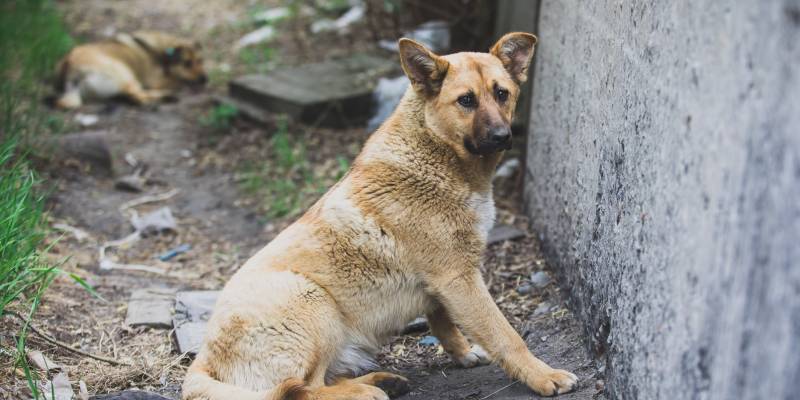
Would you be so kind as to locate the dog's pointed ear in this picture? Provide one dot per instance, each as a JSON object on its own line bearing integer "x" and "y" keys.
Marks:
{"x": 425, "y": 70}
{"x": 515, "y": 51}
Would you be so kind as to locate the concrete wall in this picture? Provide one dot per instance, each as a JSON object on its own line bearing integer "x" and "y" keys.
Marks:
{"x": 663, "y": 175}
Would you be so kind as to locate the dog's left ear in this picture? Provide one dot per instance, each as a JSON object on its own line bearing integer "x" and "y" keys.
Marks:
{"x": 515, "y": 51}
{"x": 425, "y": 70}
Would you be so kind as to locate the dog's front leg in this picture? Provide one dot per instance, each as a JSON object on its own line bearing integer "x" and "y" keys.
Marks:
{"x": 469, "y": 304}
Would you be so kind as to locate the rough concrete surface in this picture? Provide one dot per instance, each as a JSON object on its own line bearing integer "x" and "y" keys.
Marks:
{"x": 664, "y": 178}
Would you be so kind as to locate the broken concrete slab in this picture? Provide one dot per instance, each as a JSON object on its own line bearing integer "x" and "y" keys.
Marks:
{"x": 331, "y": 93}
{"x": 192, "y": 310}
{"x": 501, "y": 233}
{"x": 151, "y": 307}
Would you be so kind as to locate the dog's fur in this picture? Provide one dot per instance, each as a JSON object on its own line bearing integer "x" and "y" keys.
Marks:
{"x": 143, "y": 67}
{"x": 400, "y": 235}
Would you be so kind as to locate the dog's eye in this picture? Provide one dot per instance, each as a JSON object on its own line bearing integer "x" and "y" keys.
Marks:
{"x": 502, "y": 94}
{"x": 468, "y": 101}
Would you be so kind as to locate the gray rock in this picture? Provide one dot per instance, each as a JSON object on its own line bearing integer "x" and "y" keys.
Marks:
{"x": 543, "y": 308}
{"x": 151, "y": 307}
{"x": 524, "y": 289}
{"x": 501, "y": 233}
{"x": 332, "y": 93}
{"x": 192, "y": 310}
{"x": 89, "y": 148}
{"x": 540, "y": 279}
{"x": 663, "y": 172}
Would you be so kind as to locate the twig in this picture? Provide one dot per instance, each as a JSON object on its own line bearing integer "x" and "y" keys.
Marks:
{"x": 148, "y": 199}
{"x": 499, "y": 390}
{"x": 63, "y": 345}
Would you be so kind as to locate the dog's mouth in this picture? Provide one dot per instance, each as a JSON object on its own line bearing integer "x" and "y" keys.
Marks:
{"x": 486, "y": 147}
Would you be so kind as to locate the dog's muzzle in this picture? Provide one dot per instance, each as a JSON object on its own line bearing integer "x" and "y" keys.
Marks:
{"x": 497, "y": 139}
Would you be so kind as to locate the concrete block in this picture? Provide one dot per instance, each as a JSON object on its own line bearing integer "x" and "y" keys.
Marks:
{"x": 331, "y": 93}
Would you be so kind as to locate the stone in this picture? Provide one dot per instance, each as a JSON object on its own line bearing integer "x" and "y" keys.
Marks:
{"x": 89, "y": 148}
{"x": 501, "y": 233}
{"x": 524, "y": 289}
{"x": 192, "y": 310}
{"x": 663, "y": 174}
{"x": 331, "y": 93}
{"x": 130, "y": 395}
{"x": 151, "y": 307}
{"x": 540, "y": 279}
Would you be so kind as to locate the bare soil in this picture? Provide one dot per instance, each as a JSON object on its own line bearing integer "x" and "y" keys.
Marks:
{"x": 224, "y": 225}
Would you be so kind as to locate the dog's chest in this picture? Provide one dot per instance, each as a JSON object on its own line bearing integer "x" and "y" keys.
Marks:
{"x": 482, "y": 205}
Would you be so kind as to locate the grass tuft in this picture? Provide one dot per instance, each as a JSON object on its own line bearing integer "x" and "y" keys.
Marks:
{"x": 285, "y": 181}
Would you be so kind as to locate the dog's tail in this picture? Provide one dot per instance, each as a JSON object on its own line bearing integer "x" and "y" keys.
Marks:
{"x": 199, "y": 384}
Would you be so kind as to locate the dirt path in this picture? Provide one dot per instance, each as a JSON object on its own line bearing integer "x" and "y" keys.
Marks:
{"x": 224, "y": 229}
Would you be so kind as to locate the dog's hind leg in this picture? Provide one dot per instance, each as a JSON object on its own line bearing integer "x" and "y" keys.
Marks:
{"x": 373, "y": 386}
{"x": 69, "y": 100}
{"x": 453, "y": 340}
{"x": 134, "y": 91}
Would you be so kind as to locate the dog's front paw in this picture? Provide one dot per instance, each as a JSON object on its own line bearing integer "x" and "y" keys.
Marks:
{"x": 555, "y": 382}
{"x": 475, "y": 357}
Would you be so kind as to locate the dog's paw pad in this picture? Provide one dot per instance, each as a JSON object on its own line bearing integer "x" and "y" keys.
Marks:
{"x": 476, "y": 356}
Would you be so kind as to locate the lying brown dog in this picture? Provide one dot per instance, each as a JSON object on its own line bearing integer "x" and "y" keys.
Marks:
{"x": 144, "y": 67}
{"x": 400, "y": 235}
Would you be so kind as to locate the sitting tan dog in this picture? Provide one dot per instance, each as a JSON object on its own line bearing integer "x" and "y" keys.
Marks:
{"x": 144, "y": 67}
{"x": 400, "y": 235}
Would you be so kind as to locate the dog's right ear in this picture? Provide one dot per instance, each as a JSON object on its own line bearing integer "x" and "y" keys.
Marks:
{"x": 425, "y": 69}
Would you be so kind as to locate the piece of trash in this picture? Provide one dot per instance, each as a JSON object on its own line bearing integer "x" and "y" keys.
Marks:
{"x": 131, "y": 183}
{"x": 429, "y": 341}
{"x": 501, "y": 233}
{"x": 41, "y": 361}
{"x": 86, "y": 120}
{"x": 507, "y": 169}
{"x": 540, "y": 279}
{"x": 259, "y": 35}
{"x": 58, "y": 388}
{"x": 131, "y": 160}
{"x": 435, "y": 35}
{"x": 79, "y": 234}
{"x": 192, "y": 310}
{"x": 156, "y": 221}
{"x": 174, "y": 252}
{"x": 387, "y": 96}
{"x": 353, "y": 15}
{"x": 160, "y": 220}
{"x": 83, "y": 391}
{"x": 272, "y": 15}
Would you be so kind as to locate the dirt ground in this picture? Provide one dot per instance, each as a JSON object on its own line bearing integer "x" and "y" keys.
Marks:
{"x": 224, "y": 225}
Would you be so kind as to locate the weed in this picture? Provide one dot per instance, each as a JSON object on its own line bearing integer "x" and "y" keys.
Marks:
{"x": 285, "y": 180}
{"x": 220, "y": 118}
{"x": 32, "y": 39}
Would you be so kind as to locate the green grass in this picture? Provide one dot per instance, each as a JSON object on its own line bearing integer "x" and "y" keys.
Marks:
{"x": 32, "y": 39}
{"x": 220, "y": 117}
{"x": 285, "y": 181}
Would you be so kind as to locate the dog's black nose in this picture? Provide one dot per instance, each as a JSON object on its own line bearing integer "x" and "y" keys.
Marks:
{"x": 500, "y": 134}
{"x": 202, "y": 80}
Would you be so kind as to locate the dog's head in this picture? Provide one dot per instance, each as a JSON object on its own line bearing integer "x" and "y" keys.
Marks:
{"x": 470, "y": 97}
{"x": 181, "y": 59}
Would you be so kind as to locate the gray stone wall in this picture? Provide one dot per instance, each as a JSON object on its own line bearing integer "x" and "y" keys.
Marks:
{"x": 663, "y": 175}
